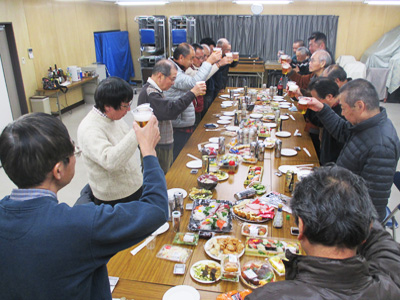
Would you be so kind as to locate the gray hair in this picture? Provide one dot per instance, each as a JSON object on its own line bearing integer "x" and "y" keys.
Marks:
{"x": 182, "y": 49}
{"x": 324, "y": 56}
{"x": 164, "y": 67}
{"x": 360, "y": 89}
{"x": 335, "y": 72}
{"x": 221, "y": 42}
{"x": 206, "y": 46}
{"x": 303, "y": 51}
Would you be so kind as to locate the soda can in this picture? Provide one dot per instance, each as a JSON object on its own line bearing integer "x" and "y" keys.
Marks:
{"x": 289, "y": 179}
{"x": 260, "y": 151}
{"x": 253, "y": 149}
{"x": 245, "y": 136}
{"x": 247, "y": 193}
{"x": 204, "y": 160}
{"x": 221, "y": 145}
{"x": 240, "y": 136}
{"x": 244, "y": 107}
{"x": 252, "y": 134}
{"x": 278, "y": 148}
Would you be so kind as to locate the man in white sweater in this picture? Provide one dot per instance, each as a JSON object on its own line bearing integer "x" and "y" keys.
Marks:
{"x": 109, "y": 147}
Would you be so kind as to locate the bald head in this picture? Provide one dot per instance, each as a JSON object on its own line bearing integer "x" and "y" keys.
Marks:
{"x": 224, "y": 45}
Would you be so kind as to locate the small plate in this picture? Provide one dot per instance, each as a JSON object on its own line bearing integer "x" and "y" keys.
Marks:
{"x": 213, "y": 140}
{"x": 256, "y": 116}
{"x": 284, "y": 106}
{"x": 227, "y": 102}
{"x": 225, "y": 118}
{"x": 224, "y": 96}
{"x": 229, "y": 113}
{"x": 211, "y": 145}
{"x": 285, "y": 168}
{"x": 270, "y": 125}
{"x": 174, "y": 190}
{"x": 162, "y": 229}
{"x": 192, "y": 274}
{"x": 226, "y": 105}
{"x": 182, "y": 292}
{"x": 303, "y": 173}
{"x": 210, "y": 126}
{"x": 224, "y": 122}
{"x": 284, "y": 117}
{"x": 288, "y": 152}
{"x": 194, "y": 164}
{"x": 283, "y": 134}
{"x": 277, "y": 99}
{"x": 232, "y": 128}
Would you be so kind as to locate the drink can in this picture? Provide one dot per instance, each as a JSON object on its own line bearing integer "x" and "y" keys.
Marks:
{"x": 260, "y": 151}
{"x": 252, "y": 134}
{"x": 204, "y": 160}
{"x": 289, "y": 179}
{"x": 221, "y": 145}
{"x": 245, "y": 136}
{"x": 244, "y": 107}
{"x": 240, "y": 136}
{"x": 253, "y": 149}
{"x": 247, "y": 193}
{"x": 278, "y": 148}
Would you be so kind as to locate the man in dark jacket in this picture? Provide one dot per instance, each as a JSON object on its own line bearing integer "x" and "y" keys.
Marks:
{"x": 349, "y": 254}
{"x": 372, "y": 146}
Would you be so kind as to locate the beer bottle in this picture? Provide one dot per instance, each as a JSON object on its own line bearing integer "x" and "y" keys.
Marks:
{"x": 280, "y": 87}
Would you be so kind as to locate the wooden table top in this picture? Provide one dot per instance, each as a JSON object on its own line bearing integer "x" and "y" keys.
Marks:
{"x": 248, "y": 68}
{"x": 72, "y": 85}
{"x": 146, "y": 268}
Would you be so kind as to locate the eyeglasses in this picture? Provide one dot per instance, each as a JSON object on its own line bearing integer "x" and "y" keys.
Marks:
{"x": 200, "y": 58}
{"x": 127, "y": 106}
{"x": 77, "y": 151}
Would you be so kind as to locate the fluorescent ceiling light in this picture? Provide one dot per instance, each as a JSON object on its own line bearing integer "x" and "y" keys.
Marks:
{"x": 384, "y": 2}
{"x": 141, "y": 2}
{"x": 250, "y": 2}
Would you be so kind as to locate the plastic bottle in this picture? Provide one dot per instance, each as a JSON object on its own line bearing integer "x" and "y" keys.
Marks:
{"x": 278, "y": 219}
{"x": 280, "y": 87}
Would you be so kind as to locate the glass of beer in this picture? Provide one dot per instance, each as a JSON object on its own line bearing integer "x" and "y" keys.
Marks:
{"x": 235, "y": 56}
{"x": 292, "y": 90}
{"x": 285, "y": 68}
{"x": 201, "y": 82}
{"x": 216, "y": 50}
{"x": 285, "y": 58}
{"x": 302, "y": 104}
{"x": 142, "y": 114}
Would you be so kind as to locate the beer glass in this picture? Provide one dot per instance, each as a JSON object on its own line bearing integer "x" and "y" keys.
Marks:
{"x": 285, "y": 58}
{"x": 142, "y": 114}
{"x": 285, "y": 68}
{"x": 217, "y": 50}
{"x": 235, "y": 56}
{"x": 302, "y": 104}
{"x": 201, "y": 82}
{"x": 292, "y": 90}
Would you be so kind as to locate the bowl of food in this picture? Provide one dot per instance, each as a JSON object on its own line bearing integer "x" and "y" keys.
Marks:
{"x": 207, "y": 181}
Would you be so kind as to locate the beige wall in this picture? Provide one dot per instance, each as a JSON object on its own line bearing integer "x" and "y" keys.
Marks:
{"x": 360, "y": 25}
{"x": 61, "y": 32}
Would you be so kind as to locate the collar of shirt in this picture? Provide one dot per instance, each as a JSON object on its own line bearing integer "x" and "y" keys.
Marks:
{"x": 154, "y": 84}
{"x": 29, "y": 194}
{"x": 97, "y": 111}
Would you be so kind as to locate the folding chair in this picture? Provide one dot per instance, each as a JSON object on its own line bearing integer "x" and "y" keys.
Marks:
{"x": 390, "y": 220}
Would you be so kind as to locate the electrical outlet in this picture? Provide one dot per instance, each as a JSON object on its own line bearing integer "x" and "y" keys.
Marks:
{"x": 23, "y": 60}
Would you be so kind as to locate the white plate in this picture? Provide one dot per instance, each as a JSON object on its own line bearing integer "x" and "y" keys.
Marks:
{"x": 182, "y": 292}
{"x": 205, "y": 262}
{"x": 227, "y": 102}
{"x": 283, "y": 133}
{"x": 277, "y": 99}
{"x": 288, "y": 152}
{"x": 284, "y": 117}
{"x": 224, "y": 122}
{"x": 174, "y": 190}
{"x": 256, "y": 116}
{"x": 226, "y": 105}
{"x": 211, "y": 127}
{"x": 194, "y": 164}
{"x": 211, "y": 145}
{"x": 162, "y": 229}
{"x": 224, "y": 96}
{"x": 303, "y": 173}
{"x": 229, "y": 113}
{"x": 225, "y": 118}
{"x": 206, "y": 245}
{"x": 270, "y": 125}
{"x": 284, "y": 106}
{"x": 232, "y": 128}
{"x": 285, "y": 168}
{"x": 213, "y": 140}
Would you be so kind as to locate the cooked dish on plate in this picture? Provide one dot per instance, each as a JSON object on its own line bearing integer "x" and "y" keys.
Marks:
{"x": 206, "y": 271}
{"x": 253, "y": 210}
{"x": 257, "y": 273}
{"x": 200, "y": 194}
{"x": 219, "y": 245}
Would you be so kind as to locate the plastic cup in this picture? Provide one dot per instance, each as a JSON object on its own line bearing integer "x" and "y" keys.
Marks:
{"x": 142, "y": 115}
{"x": 303, "y": 104}
{"x": 292, "y": 90}
{"x": 152, "y": 244}
{"x": 235, "y": 56}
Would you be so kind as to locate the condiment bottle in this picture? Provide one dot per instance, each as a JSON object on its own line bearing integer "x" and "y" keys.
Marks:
{"x": 232, "y": 167}
{"x": 176, "y": 220}
{"x": 278, "y": 219}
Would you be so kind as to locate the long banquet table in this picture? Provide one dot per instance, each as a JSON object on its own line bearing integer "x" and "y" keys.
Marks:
{"x": 144, "y": 276}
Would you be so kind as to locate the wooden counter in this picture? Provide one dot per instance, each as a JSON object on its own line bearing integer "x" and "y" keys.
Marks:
{"x": 145, "y": 268}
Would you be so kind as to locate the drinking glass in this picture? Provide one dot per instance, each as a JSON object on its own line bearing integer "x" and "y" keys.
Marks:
{"x": 303, "y": 104}
{"x": 235, "y": 56}
{"x": 142, "y": 114}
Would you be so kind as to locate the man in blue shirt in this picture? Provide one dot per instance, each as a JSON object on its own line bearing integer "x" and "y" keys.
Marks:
{"x": 48, "y": 249}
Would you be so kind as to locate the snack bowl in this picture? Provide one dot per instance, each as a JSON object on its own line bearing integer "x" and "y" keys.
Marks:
{"x": 207, "y": 181}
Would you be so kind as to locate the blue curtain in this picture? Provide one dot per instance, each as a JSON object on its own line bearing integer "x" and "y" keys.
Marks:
{"x": 113, "y": 50}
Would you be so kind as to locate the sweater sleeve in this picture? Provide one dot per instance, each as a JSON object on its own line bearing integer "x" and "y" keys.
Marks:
{"x": 115, "y": 229}
{"x": 301, "y": 80}
{"x": 186, "y": 82}
{"x": 338, "y": 127}
{"x": 382, "y": 253}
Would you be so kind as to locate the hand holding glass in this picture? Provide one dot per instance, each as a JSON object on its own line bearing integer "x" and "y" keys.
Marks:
{"x": 202, "y": 87}
{"x": 302, "y": 105}
{"x": 142, "y": 115}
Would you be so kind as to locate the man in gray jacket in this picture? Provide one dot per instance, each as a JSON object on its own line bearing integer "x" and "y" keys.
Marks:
{"x": 371, "y": 145}
{"x": 183, "y": 59}
{"x": 349, "y": 254}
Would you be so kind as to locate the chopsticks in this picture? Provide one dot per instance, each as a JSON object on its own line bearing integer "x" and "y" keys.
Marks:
{"x": 306, "y": 151}
{"x": 192, "y": 156}
{"x": 305, "y": 165}
{"x": 292, "y": 117}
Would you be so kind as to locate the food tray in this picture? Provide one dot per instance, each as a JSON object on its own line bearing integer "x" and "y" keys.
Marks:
{"x": 268, "y": 247}
{"x": 174, "y": 253}
{"x": 257, "y": 273}
{"x": 205, "y": 218}
{"x": 277, "y": 263}
{"x": 226, "y": 158}
{"x": 186, "y": 238}
{"x": 255, "y": 230}
{"x": 254, "y": 174}
{"x": 230, "y": 267}
{"x": 265, "y": 212}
